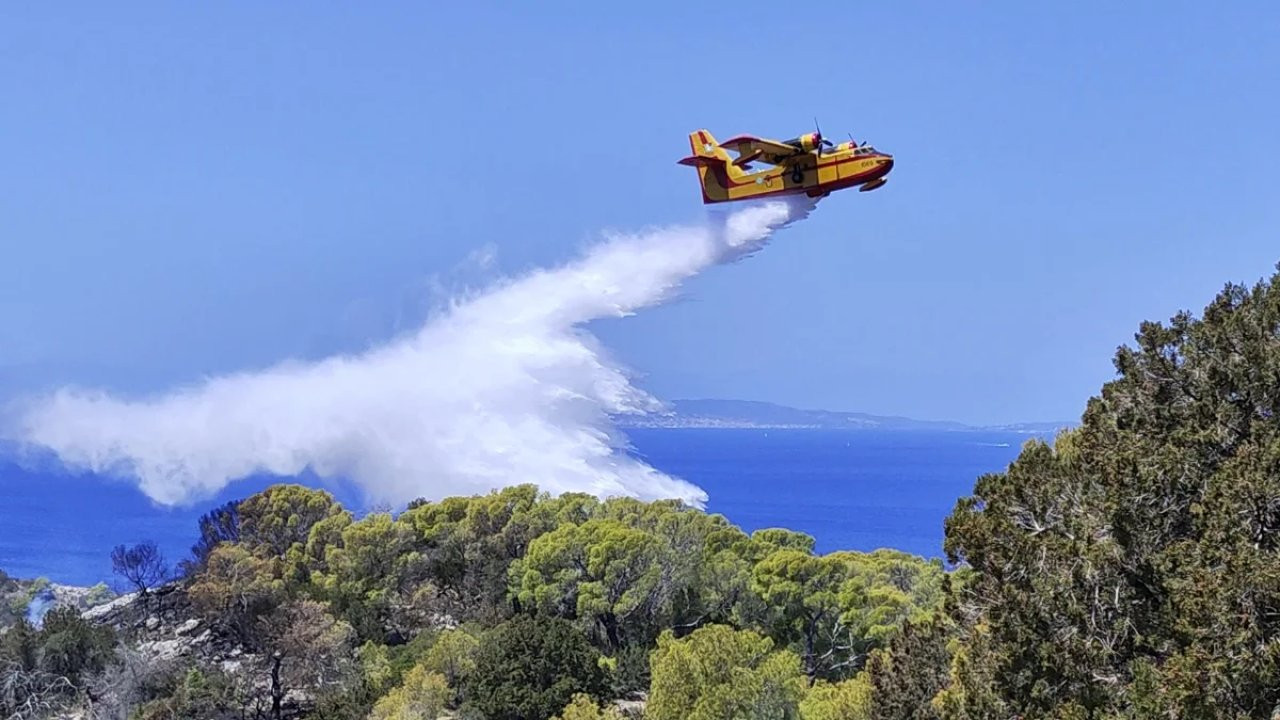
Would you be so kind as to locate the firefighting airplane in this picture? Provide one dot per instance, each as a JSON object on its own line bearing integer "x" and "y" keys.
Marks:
{"x": 808, "y": 164}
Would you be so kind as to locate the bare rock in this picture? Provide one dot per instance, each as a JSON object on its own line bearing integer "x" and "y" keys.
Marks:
{"x": 106, "y": 610}
{"x": 165, "y": 649}
{"x": 633, "y": 707}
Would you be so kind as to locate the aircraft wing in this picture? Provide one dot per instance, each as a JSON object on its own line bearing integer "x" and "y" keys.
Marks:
{"x": 763, "y": 149}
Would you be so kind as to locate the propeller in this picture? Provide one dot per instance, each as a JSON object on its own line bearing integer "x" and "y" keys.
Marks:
{"x": 821, "y": 140}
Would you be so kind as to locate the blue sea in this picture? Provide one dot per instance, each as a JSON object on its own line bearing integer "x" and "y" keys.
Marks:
{"x": 856, "y": 490}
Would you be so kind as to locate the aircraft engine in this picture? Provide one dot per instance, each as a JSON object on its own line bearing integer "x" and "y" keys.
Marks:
{"x": 806, "y": 143}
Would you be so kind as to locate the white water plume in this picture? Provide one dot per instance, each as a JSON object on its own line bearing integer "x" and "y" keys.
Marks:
{"x": 504, "y": 387}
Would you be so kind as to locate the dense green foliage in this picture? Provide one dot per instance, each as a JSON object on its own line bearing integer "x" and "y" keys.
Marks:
{"x": 548, "y": 598}
{"x": 422, "y": 694}
{"x": 1132, "y": 568}
{"x": 718, "y": 672}
{"x": 529, "y": 668}
{"x": 908, "y": 675}
{"x": 845, "y": 700}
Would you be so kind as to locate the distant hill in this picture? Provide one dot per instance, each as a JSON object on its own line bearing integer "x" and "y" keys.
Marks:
{"x": 755, "y": 414}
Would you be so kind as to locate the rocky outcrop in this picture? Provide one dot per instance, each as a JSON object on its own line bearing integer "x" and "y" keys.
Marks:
{"x": 632, "y": 708}
{"x": 163, "y": 624}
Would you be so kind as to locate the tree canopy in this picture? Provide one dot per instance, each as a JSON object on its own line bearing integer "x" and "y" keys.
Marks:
{"x": 1131, "y": 567}
{"x": 530, "y": 668}
{"x": 718, "y": 672}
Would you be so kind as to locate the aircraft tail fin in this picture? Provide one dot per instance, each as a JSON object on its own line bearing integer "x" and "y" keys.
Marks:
{"x": 714, "y": 165}
{"x": 706, "y": 151}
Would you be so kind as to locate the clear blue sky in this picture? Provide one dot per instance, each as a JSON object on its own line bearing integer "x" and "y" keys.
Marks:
{"x": 199, "y": 188}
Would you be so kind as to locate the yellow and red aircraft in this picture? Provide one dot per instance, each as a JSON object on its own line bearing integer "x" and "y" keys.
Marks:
{"x": 808, "y": 164}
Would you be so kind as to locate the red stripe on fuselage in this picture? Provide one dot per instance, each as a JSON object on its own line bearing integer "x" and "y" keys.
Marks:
{"x": 835, "y": 165}
{"x": 841, "y": 184}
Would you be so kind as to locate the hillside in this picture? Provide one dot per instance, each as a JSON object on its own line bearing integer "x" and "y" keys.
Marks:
{"x": 706, "y": 413}
{"x": 1128, "y": 568}
{"x": 516, "y": 604}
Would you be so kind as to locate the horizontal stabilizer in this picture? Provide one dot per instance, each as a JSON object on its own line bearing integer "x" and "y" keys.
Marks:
{"x": 699, "y": 161}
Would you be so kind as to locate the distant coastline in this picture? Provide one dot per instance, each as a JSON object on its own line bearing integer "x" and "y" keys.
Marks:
{"x": 751, "y": 414}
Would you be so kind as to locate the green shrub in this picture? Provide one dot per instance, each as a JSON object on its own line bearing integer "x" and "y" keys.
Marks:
{"x": 71, "y": 646}
{"x": 530, "y": 668}
{"x": 99, "y": 594}
{"x": 198, "y": 694}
